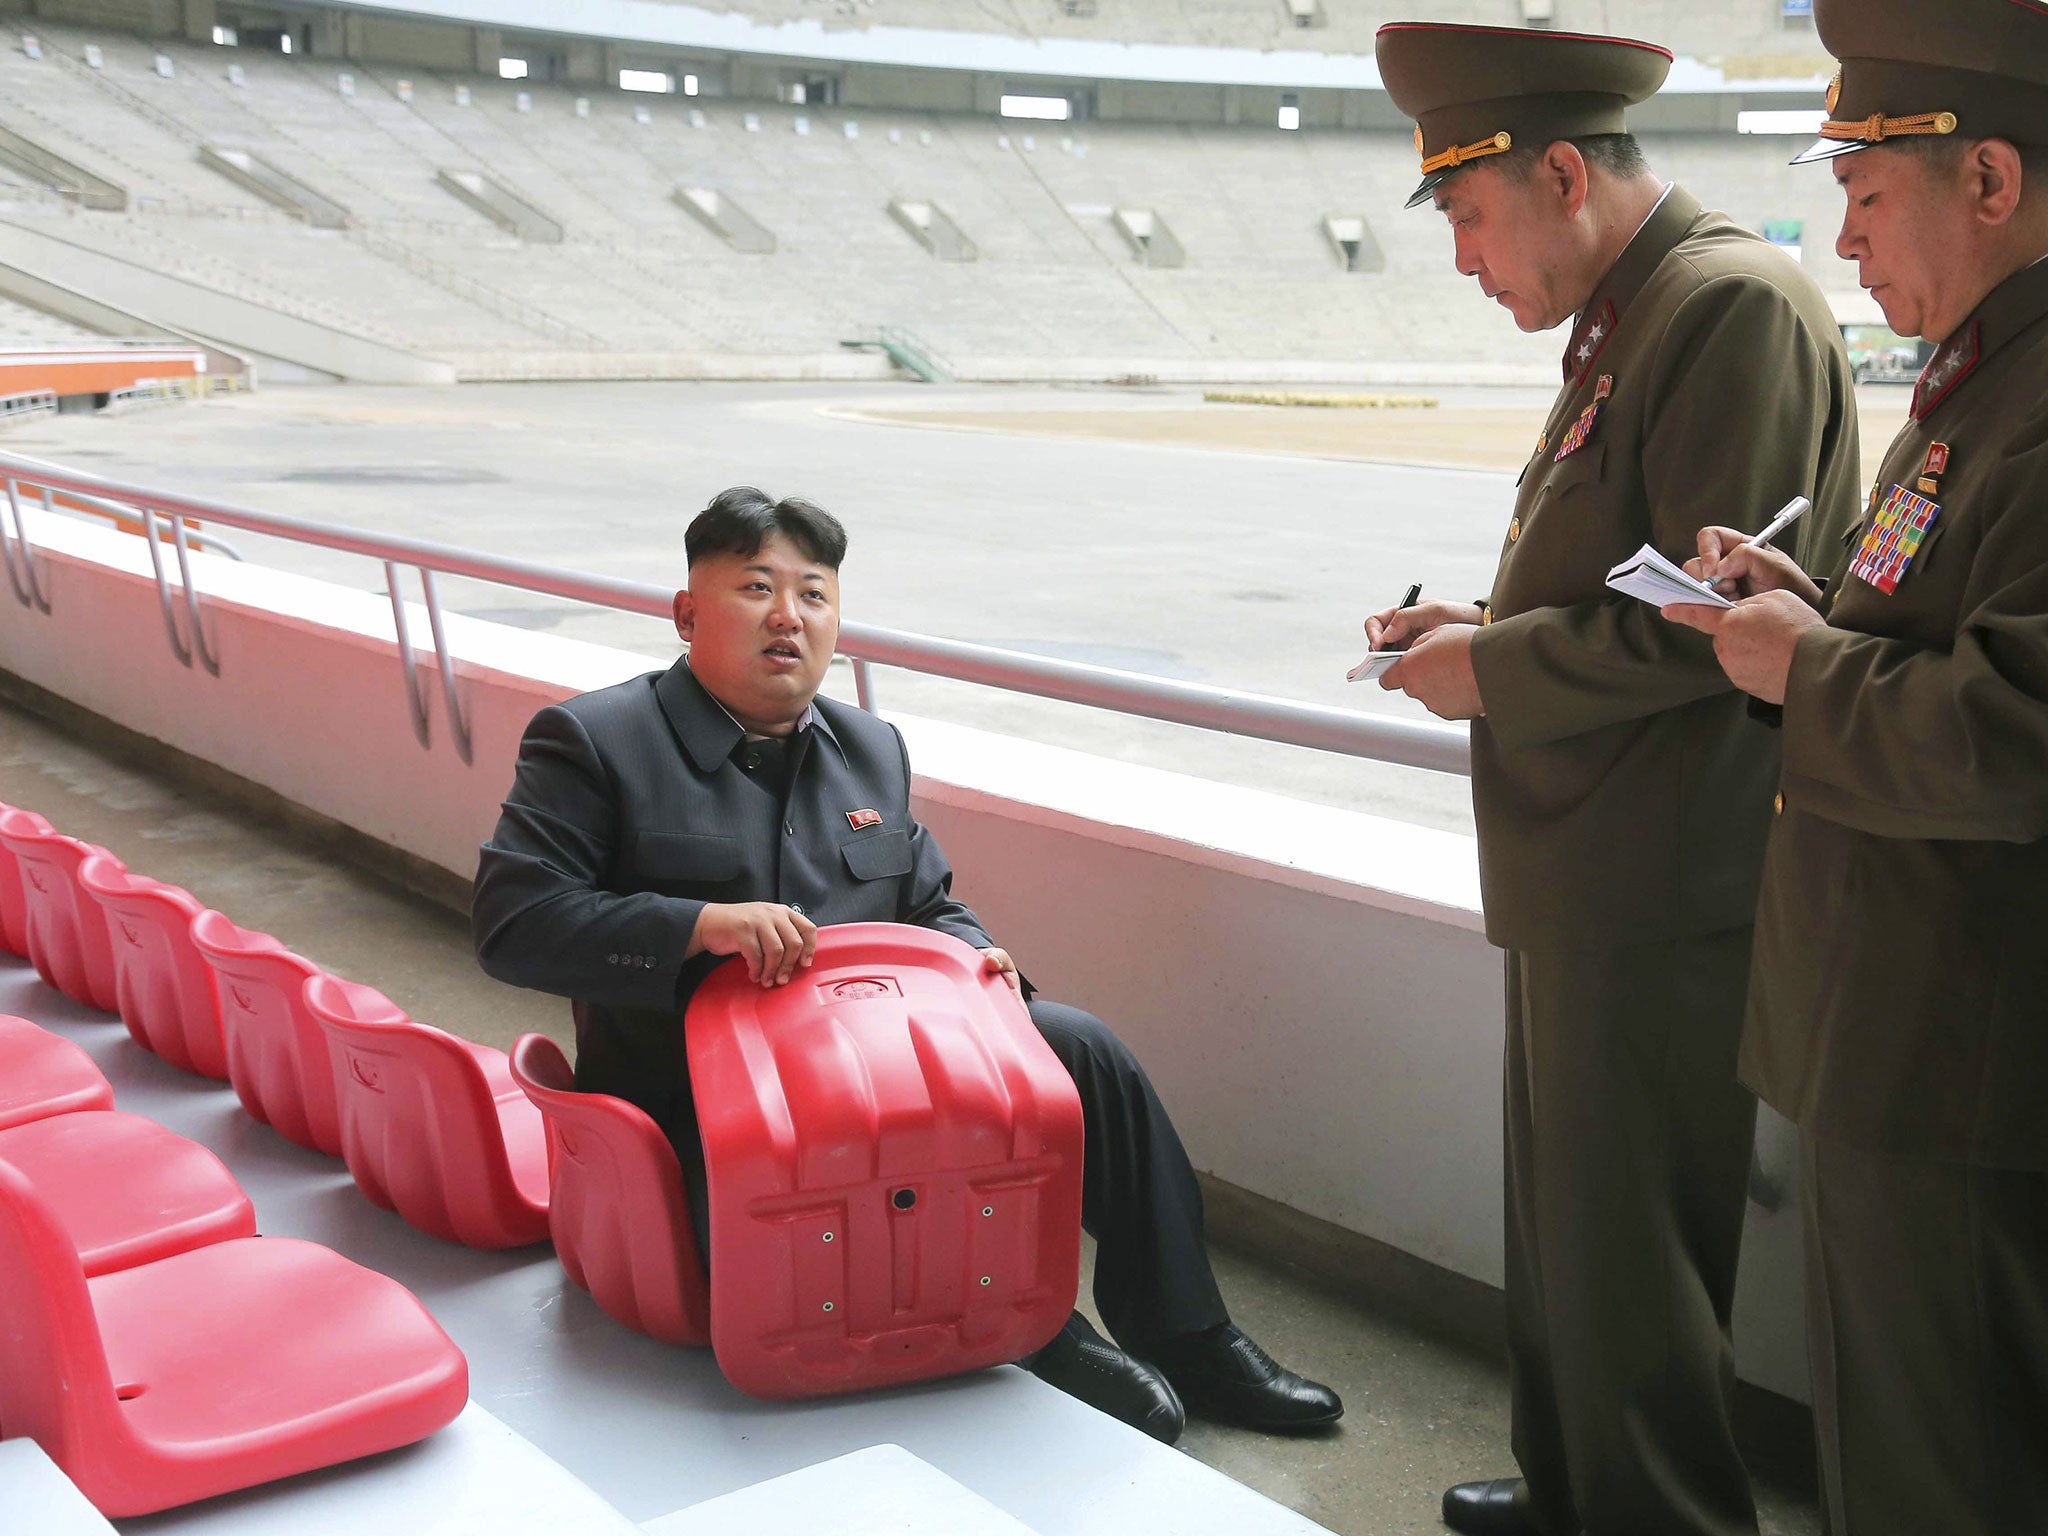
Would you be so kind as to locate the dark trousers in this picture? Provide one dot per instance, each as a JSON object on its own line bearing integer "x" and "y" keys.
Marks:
{"x": 1927, "y": 1329}
{"x": 1628, "y": 1149}
{"x": 1139, "y": 1198}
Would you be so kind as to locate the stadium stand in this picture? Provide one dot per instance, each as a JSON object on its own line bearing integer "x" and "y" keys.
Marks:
{"x": 639, "y": 287}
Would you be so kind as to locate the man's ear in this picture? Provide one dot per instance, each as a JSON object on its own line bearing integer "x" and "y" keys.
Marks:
{"x": 1564, "y": 168}
{"x": 1993, "y": 168}
{"x": 686, "y": 614}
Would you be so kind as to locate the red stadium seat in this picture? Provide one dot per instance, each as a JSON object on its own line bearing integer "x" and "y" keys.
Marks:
{"x": 163, "y": 985}
{"x": 13, "y": 909}
{"x": 277, "y": 1051}
{"x": 616, "y": 1206}
{"x": 126, "y": 1190}
{"x": 894, "y": 1165}
{"x": 66, "y": 935}
{"x": 433, "y": 1127}
{"x": 212, "y": 1370}
{"x": 42, "y": 1074}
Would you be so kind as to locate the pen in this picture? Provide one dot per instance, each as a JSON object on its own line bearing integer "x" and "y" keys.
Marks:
{"x": 1788, "y": 514}
{"x": 1414, "y": 592}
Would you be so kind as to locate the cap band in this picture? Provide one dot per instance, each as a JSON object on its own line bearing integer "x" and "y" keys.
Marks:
{"x": 1458, "y": 154}
{"x": 1876, "y": 128}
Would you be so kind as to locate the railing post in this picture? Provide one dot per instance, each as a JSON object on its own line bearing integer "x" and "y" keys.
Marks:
{"x": 406, "y": 661}
{"x": 864, "y": 685}
{"x": 27, "y": 584}
{"x": 163, "y": 590}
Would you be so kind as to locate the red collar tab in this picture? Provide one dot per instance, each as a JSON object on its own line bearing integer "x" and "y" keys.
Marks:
{"x": 1949, "y": 366}
{"x": 1587, "y": 342}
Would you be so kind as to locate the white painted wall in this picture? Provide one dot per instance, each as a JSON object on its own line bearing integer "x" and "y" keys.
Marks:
{"x": 1309, "y": 986}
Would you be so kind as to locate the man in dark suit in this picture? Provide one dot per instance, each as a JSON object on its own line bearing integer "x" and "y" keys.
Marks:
{"x": 722, "y": 808}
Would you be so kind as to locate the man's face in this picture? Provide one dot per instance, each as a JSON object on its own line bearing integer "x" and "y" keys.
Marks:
{"x": 1899, "y": 203}
{"x": 1514, "y": 236}
{"x": 762, "y": 629}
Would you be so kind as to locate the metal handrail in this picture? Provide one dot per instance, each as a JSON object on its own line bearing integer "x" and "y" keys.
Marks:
{"x": 1415, "y": 744}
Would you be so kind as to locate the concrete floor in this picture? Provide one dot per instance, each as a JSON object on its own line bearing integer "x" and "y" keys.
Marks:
{"x": 1421, "y": 1413}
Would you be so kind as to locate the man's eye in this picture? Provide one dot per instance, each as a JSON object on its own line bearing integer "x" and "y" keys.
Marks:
{"x": 816, "y": 597}
{"x": 1866, "y": 201}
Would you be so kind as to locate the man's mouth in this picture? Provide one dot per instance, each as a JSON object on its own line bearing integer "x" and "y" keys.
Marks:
{"x": 782, "y": 651}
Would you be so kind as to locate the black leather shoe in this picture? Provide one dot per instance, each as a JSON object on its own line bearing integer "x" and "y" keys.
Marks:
{"x": 1222, "y": 1375}
{"x": 1499, "y": 1507}
{"x": 1082, "y": 1363}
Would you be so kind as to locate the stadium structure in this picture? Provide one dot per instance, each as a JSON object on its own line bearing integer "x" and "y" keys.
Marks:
{"x": 201, "y": 199}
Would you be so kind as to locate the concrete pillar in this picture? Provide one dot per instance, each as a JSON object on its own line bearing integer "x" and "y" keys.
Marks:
{"x": 198, "y": 18}
{"x": 583, "y": 62}
{"x": 487, "y": 46}
{"x": 327, "y": 36}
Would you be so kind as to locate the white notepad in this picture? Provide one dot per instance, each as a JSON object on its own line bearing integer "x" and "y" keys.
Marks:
{"x": 1649, "y": 576}
{"x": 1373, "y": 666}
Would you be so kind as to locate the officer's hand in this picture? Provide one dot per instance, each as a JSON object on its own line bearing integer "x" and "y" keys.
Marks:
{"x": 999, "y": 961}
{"x": 1437, "y": 673}
{"x": 1754, "y": 640}
{"x": 1394, "y": 629}
{"x": 1735, "y": 569}
{"x": 775, "y": 940}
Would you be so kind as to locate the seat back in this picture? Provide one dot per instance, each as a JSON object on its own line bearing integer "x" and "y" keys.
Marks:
{"x": 43, "y": 1074}
{"x": 894, "y": 1165}
{"x": 13, "y": 911}
{"x": 64, "y": 934}
{"x": 54, "y": 1384}
{"x": 616, "y": 1206}
{"x": 420, "y": 1125}
{"x": 162, "y": 984}
{"x": 276, "y": 1050}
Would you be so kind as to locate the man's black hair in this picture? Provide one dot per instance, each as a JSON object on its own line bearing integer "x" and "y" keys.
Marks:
{"x": 1618, "y": 154}
{"x": 739, "y": 519}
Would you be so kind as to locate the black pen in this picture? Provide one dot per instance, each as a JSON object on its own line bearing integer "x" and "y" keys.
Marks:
{"x": 1414, "y": 592}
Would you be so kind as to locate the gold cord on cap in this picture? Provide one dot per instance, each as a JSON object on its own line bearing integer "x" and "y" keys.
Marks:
{"x": 1458, "y": 154}
{"x": 1876, "y": 128}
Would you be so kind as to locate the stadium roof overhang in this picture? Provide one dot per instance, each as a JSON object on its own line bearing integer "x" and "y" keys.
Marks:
{"x": 657, "y": 24}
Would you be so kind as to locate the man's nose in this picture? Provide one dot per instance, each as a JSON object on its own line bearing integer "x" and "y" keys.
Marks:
{"x": 1469, "y": 264}
{"x": 784, "y": 614}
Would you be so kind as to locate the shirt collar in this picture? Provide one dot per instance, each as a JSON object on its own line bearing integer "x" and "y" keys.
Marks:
{"x": 1669, "y": 218}
{"x": 705, "y": 727}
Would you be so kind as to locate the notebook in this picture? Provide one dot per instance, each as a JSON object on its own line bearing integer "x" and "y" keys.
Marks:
{"x": 1649, "y": 576}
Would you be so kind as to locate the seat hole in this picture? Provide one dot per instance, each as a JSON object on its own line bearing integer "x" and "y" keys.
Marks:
{"x": 904, "y": 1199}
{"x": 130, "y": 1392}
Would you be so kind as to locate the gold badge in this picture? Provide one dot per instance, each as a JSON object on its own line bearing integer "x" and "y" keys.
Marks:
{"x": 1503, "y": 141}
{"x": 1834, "y": 92}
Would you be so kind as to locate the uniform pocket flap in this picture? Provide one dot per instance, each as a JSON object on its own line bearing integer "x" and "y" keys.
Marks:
{"x": 878, "y": 857}
{"x": 695, "y": 857}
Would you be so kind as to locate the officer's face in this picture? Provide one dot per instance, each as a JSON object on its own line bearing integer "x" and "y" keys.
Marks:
{"x": 762, "y": 629}
{"x": 1517, "y": 237}
{"x": 1912, "y": 224}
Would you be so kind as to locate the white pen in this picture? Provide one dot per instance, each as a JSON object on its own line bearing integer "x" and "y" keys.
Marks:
{"x": 1788, "y": 514}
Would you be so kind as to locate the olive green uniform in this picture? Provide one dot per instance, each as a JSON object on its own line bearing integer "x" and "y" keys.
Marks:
{"x": 1899, "y": 1004}
{"x": 1623, "y": 796}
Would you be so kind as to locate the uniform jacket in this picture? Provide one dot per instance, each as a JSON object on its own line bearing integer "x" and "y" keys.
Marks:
{"x": 1899, "y": 997}
{"x": 1621, "y": 791}
{"x": 634, "y": 806}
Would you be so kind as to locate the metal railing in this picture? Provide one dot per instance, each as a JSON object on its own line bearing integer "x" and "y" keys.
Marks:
{"x": 1414, "y": 744}
{"x": 30, "y": 402}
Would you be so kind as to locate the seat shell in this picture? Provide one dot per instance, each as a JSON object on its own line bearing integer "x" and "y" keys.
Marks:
{"x": 432, "y": 1126}
{"x": 126, "y": 1190}
{"x": 65, "y": 935}
{"x": 277, "y": 1054}
{"x": 13, "y": 909}
{"x": 893, "y": 1157}
{"x": 212, "y": 1370}
{"x": 42, "y": 1074}
{"x": 163, "y": 987}
{"x": 617, "y": 1210}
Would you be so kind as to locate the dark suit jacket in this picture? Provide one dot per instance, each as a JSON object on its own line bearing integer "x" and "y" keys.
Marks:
{"x": 633, "y": 807}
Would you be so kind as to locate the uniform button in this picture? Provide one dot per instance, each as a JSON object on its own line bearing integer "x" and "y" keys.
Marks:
{"x": 753, "y": 759}
{"x": 1514, "y": 529}
{"x": 797, "y": 907}
{"x": 1778, "y": 806}
{"x": 611, "y": 959}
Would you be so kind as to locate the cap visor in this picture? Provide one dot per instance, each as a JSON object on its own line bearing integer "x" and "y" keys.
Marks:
{"x": 1427, "y": 190}
{"x": 1828, "y": 149}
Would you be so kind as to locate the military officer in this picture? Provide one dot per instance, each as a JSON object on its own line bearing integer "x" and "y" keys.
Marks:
{"x": 1622, "y": 793}
{"x": 1898, "y": 1007}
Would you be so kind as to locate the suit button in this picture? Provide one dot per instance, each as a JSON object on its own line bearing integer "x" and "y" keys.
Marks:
{"x": 611, "y": 959}
{"x": 1778, "y": 806}
{"x": 1514, "y": 528}
{"x": 753, "y": 759}
{"x": 797, "y": 907}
